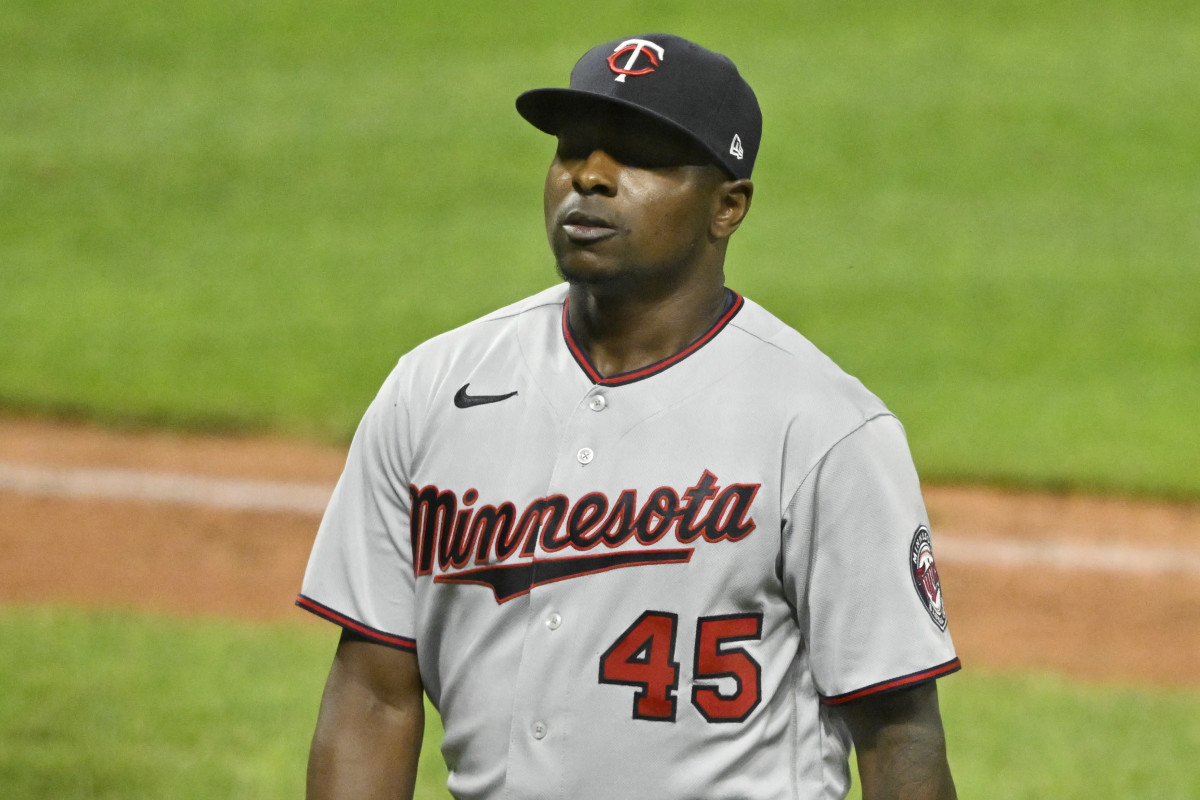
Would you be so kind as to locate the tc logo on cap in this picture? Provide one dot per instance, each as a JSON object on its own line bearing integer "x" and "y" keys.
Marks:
{"x": 635, "y": 48}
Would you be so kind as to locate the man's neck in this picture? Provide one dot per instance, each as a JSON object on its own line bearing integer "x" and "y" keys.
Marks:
{"x": 626, "y": 332}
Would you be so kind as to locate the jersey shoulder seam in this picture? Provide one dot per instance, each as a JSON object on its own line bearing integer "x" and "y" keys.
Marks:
{"x": 500, "y": 316}
{"x": 864, "y": 422}
{"x": 547, "y": 297}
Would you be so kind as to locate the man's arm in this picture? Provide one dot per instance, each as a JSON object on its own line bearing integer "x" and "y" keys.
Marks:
{"x": 370, "y": 725}
{"x": 900, "y": 745}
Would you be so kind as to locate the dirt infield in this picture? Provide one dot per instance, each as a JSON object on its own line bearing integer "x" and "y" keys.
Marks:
{"x": 1095, "y": 588}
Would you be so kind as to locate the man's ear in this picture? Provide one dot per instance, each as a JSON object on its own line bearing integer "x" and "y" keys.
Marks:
{"x": 732, "y": 203}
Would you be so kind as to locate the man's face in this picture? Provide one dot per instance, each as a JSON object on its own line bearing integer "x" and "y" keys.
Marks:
{"x": 627, "y": 200}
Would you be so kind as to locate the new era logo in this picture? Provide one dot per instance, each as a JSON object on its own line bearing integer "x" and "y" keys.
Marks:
{"x": 735, "y": 147}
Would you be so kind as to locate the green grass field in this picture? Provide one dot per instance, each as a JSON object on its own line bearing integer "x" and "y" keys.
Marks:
{"x": 238, "y": 216}
{"x": 220, "y": 215}
{"x": 106, "y": 705}
{"x": 116, "y": 705}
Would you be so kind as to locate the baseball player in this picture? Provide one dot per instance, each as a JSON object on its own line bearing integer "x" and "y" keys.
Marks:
{"x": 634, "y": 536}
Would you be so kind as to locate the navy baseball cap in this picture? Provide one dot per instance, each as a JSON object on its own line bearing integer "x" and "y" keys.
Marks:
{"x": 671, "y": 79}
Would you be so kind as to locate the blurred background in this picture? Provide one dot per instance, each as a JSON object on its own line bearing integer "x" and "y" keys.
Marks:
{"x": 228, "y": 217}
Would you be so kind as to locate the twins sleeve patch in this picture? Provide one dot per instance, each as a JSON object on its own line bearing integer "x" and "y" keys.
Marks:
{"x": 925, "y": 576}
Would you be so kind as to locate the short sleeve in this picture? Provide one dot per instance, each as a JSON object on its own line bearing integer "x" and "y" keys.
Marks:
{"x": 360, "y": 572}
{"x": 866, "y": 586}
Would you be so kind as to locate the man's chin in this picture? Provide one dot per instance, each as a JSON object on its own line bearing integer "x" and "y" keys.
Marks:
{"x": 580, "y": 275}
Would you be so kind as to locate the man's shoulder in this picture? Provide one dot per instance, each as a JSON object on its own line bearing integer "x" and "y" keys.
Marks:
{"x": 798, "y": 368}
{"x": 550, "y": 299}
{"x": 474, "y": 352}
{"x": 485, "y": 330}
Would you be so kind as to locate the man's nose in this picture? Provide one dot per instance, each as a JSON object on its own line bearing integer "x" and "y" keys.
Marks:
{"x": 596, "y": 174}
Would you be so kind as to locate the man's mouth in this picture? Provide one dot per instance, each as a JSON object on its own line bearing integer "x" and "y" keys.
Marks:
{"x": 582, "y": 227}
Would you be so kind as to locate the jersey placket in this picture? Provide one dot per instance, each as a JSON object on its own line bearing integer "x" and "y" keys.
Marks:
{"x": 544, "y": 707}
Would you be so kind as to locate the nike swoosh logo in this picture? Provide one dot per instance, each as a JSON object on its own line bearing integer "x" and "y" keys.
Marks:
{"x": 464, "y": 400}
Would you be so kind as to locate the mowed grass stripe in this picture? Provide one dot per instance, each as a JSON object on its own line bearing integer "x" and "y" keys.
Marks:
{"x": 106, "y": 704}
{"x": 221, "y": 216}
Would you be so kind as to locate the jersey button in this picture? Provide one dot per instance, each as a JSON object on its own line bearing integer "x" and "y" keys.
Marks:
{"x": 585, "y": 455}
{"x": 539, "y": 730}
{"x": 554, "y": 621}
{"x": 598, "y": 403}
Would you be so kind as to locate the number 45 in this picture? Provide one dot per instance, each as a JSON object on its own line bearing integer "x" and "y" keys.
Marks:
{"x": 644, "y": 656}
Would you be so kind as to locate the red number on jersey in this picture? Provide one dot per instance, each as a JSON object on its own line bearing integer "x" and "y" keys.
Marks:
{"x": 713, "y": 662}
{"x": 644, "y": 656}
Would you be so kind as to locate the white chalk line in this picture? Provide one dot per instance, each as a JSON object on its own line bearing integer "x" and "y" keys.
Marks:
{"x": 231, "y": 494}
{"x": 1057, "y": 554}
{"x": 308, "y": 498}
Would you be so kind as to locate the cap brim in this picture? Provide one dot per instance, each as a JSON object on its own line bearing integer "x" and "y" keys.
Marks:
{"x": 548, "y": 109}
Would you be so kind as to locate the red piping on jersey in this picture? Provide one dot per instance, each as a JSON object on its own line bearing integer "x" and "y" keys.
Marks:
{"x": 658, "y": 366}
{"x": 325, "y": 612}
{"x": 953, "y": 665}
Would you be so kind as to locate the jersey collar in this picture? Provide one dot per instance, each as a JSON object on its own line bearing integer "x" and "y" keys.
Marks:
{"x": 732, "y": 308}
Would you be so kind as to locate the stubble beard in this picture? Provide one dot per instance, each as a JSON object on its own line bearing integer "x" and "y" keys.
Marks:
{"x": 606, "y": 279}
{"x": 614, "y": 276}
{"x": 588, "y": 278}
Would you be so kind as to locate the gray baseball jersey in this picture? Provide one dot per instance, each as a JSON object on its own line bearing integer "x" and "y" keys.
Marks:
{"x": 656, "y": 584}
